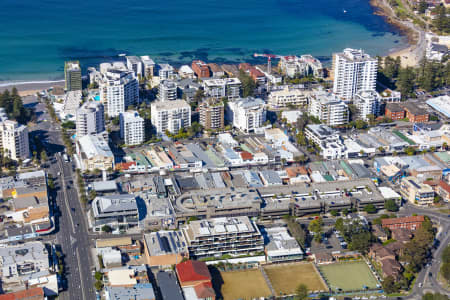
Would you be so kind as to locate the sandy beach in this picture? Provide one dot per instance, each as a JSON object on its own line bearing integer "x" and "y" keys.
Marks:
{"x": 31, "y": 87}
{"x": 408, "y": 59}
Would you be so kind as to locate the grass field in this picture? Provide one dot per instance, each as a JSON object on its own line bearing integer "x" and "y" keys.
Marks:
{"x": 348, "y": 276}
{"x": 285, "y": 278}
{"x": 246, "y": 284}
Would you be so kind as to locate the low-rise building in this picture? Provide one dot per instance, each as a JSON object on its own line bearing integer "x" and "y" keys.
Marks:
{"x": 282, "y": 246}
{"x": 444, "y": 190}
{"x": 415, "y": 113}
{"x": 168, "y": 286}
{"x": 165, "y": 248}
{"x": 416, "y": 192}
{"x": 195, "y": 280}
{"x": 186, "y": 72}
{"x": 167, "y": 90}
{"x": 288, "y": 96}
{"x": 220, "y": 236}
{"x": 201, "y": 69}
{"x": 328, "y": 108}
{"x": 94, "y": 153}
{"x": 328, "y": 139}
{"x": 118, "y": 211}
{"x": 224, "y": 87}
{"x": 411, "y": 223}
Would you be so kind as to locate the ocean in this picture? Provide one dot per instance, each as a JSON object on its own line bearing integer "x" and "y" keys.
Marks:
{"x": 37, "y": 36}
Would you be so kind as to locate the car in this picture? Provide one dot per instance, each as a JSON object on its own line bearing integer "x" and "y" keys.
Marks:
{"x": 420, "y": 284}
{"x": 429, "y": 274}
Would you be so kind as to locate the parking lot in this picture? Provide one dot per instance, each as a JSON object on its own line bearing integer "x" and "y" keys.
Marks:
{"x": 330, "y": 242}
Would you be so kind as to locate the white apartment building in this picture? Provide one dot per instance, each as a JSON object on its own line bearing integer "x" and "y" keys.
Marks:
{"x": 281, "y": 98}
{"x": 14, "y": 140}
{"x": 220, "y": 236}
{"x": 305, "y": 65}
{"x": 225, "y": 87}
{"x": 171, "y": 115}
{"x": 167, "y": 90}
{"x": 354, "y": 71}
{"x": 368, "y": 103}
{"x": 148, "y": 65}
{"x": 134, "y": 63}
{"x": 327, "y": 139}
{"x": 165, "y": 72}
{"x": 132, "y": 128}
{"x": 247, "y": 114}
{"x": 90, "y": 119}
{"x": 328, "y": 108}
{"x": 118, "y": 89}
{"x": 186, "y": 71}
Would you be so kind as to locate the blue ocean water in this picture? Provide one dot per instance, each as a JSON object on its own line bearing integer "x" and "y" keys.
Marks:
{"x": 37, "y": 36}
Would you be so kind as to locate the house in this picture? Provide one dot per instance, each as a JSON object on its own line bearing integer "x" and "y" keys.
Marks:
{"x": 411, "y": 223}
{"x": 379, "y": 253}
{"x": 401, "y": 234}
{"x": 391, "y": 267}
{"x": 379, "y": 233}
{"x": 195, "y": 280}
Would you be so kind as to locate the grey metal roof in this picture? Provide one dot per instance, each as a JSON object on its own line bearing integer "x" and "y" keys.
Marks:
{"x": 168, "y": 285}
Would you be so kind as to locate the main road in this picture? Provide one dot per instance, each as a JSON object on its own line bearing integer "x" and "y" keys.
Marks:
{"x": 72, "y": 230}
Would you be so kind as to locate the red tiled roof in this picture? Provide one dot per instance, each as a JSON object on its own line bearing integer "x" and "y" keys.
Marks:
{"x": 192, "y": 270}
{"x": 246, "y": 155}
{"x": 30, "y": 294}
{"x": 244, "y": 66}
{"x": 256, "y": 73}
{"x": 412, "y": 219}
{"x": 204, "y": 291}
{"x": 444, "y": 185}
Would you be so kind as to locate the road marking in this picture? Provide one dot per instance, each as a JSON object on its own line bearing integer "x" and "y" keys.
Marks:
{"x": 79, "y": 272}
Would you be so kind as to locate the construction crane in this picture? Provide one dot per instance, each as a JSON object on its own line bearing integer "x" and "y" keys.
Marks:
{"x": 269, "y": 60}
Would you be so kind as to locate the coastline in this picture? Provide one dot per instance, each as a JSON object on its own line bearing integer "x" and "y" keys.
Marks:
{"x": 27, "y": 88}
{"x": 408, "y": 59}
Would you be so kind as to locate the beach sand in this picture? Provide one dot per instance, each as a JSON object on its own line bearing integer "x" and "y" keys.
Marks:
{"x": 408, "y": 59}
{"x": 30, "y": 88}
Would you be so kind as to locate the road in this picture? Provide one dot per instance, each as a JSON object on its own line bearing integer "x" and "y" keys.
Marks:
{"x": 72, "y": 230}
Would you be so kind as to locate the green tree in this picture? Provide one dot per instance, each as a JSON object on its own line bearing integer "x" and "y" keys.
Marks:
{"x": 422, "y": 6}
{"x": 44, "y": 156}
{"x": 107, "y": 229}
{"x": 301, "y": 292}
{"x": 405, "y": 83}
{"x": 98, "y": 285}
{"x": 248, "y": 84}
{"x": 389, "y": 285}
{"x": 370, "y": 209}
{"x": 437, "y": 296}
{"x": 390, "y": 205}
{"x": 98, "y": 275}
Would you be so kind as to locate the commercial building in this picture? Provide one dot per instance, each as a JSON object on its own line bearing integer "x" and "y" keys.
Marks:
{"x": 411, "y": 223}
{"x": 201, "y": 69}
{"x": 119, "y": 88}
{"x": 167, "y": 91}
{"x": 367, "y": 103}
{"x": 165, "y": 248}
{"x": 139, "y": 291}
{"x": 247, "y": 114}
{"x": 28, "y": 265}
{"x": 14, "y": 140}
{"x": 282, "y": 247}
{"x": 90, "y": 119}
{"x": 416, "y": 192}
{"x": 354, "y": 71}
{"x": 224, "y": 87}
{"x": 171, "y": 116}
{"x": 328, "y": 108}
{"x": 212, "y": 113}
{"x": 168, "y": 286}
{"x": 72, "y": 76}
{"x": 118, "y": 211}
{"x": 94, "y": 153}
{"x": 288, "y": 96}
{"x": 328, "y": 139}
{"x": 132, "y": 128}
{"x": 220, "y": 236}
{"x": 134, "y": 63}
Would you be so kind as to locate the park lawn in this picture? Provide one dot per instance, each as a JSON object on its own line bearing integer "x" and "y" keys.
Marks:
{"x": 246, "y": 284}
{"x": 348, "y": 276}
{"x": 285, "y": 278}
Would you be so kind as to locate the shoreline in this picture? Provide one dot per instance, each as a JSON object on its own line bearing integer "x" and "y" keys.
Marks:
{"x": 408, "y": 59}
{"x": 27, "y": 88}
